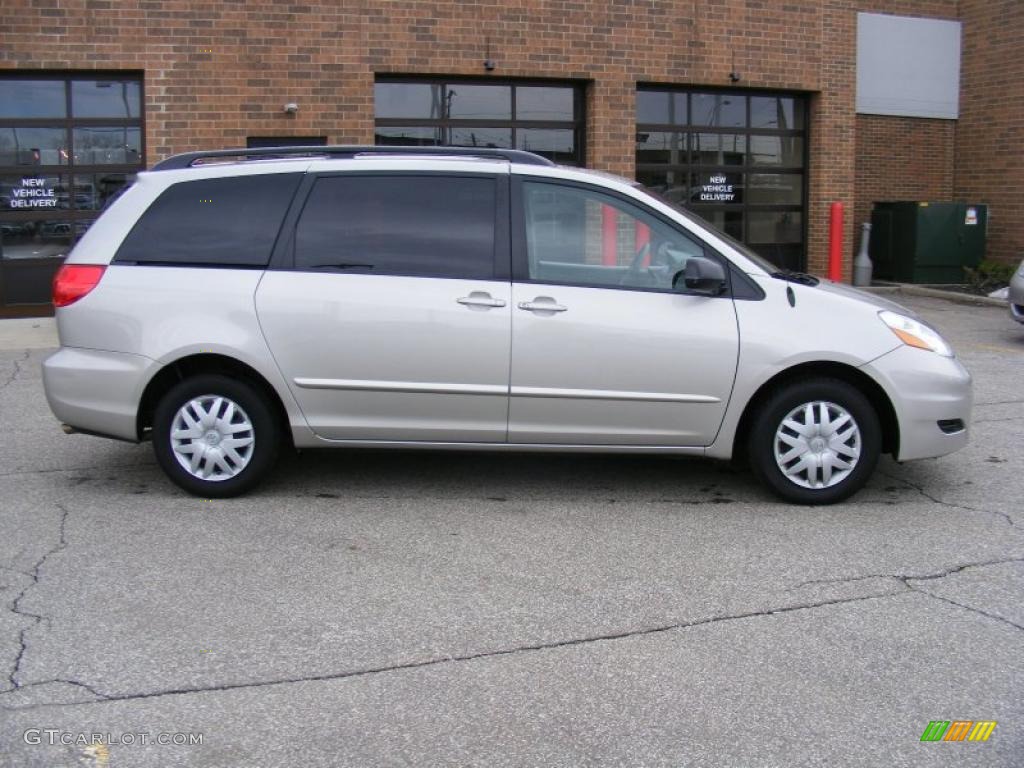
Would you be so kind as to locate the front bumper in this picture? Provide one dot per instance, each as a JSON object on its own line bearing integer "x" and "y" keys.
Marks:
{"x": 925, "y": 389}
{"x": 96, "y": 391}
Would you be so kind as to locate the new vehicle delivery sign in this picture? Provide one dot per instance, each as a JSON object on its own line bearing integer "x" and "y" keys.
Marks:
{"x": 718, "y": 189}
{"x": 33, "y": 193}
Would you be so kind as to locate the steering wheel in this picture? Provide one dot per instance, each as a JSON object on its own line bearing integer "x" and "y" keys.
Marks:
{"x": 663, "y": 256}
{"x": 636, "y": 265}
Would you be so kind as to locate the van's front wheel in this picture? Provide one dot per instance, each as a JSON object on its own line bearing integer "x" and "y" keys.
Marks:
{"x": 215, "y": 437}
{"x": 815, "y": 442}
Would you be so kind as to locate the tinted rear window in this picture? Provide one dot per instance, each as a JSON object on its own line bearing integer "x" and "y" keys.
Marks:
{"x": 212, "y": 222}
{"x": 430, "y": 226}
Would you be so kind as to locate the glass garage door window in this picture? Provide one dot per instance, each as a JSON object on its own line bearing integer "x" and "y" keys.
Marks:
{"x": 736, "y": 158}
{"x": 538, "y": 116}
{"x": 68, "y": 145}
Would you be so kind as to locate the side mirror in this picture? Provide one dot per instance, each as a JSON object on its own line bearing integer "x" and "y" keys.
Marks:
{"x": 700, "y": 277}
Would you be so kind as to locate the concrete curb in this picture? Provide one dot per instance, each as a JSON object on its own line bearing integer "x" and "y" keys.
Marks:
{"x": 935, "y": 293}
{"x": 28, "y": 333}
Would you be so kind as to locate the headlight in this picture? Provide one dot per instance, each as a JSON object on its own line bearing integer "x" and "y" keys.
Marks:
{"x": 914, "y": 333}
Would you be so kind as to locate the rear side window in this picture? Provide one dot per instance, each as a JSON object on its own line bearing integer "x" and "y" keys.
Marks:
{"x": 230, "y": 222}
{"x": 428, "y": 226}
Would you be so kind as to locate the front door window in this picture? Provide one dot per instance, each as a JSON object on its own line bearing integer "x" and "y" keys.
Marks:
{"x": 582, "y": 237}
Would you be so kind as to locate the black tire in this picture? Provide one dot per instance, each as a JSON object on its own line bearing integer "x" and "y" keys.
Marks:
{"x": 779, "y": 405}
{"x": 266, "y": 431}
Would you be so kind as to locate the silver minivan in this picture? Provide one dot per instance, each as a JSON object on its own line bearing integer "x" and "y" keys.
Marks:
{"x": 230, "y": 303}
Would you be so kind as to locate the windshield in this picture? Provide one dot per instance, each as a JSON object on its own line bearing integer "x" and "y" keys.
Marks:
{"x": 762, "y": 262}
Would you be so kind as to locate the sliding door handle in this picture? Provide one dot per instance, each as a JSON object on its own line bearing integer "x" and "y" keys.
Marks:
{"x": 480, "y": 299}
{"x": 542, "y": 304}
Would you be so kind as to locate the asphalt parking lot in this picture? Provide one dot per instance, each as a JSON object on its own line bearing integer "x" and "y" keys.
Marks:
{"x": 405, "y": 608}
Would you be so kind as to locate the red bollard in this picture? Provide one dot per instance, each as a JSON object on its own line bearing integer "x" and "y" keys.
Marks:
{"x": 835, "y": 242}
{"x": 609, "y": 236}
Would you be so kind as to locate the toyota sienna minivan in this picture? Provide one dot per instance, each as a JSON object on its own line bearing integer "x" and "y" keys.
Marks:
{"x": 234, "y": 302}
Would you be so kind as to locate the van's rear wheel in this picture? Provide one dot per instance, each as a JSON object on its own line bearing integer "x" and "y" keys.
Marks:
{"x": 214, "y": 436}
{"x": 815, "y": 442}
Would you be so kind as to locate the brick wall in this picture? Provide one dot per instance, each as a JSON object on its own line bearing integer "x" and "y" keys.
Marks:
{"x": 900, "y": 158}
{"x": 990, "y": 133}
{"x": 832, "y": 132}
{"x": 218, "y": 72}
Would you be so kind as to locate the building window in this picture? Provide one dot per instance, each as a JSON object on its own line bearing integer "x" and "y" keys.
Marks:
{"x": 541, "y": 117}
{"x": 736, "y": 158}
{"x": 68, "y": 145}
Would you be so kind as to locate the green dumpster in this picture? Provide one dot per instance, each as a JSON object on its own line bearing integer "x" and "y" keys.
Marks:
{"x": 916, "y": 242}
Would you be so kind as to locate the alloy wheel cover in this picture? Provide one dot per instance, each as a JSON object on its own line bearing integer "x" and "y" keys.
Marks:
{"x": 817, "y": 445}
{"x": 212, "y": 438}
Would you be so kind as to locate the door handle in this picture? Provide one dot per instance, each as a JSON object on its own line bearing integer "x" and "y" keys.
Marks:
{"x": 480, "y": 299}
{"x": 542, "y": 304}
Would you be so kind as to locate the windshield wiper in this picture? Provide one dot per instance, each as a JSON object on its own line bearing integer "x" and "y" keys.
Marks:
{"x": 796, "y": 277}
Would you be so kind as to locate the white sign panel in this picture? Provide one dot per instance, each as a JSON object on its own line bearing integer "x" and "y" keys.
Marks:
{"x": 908, "y": 66}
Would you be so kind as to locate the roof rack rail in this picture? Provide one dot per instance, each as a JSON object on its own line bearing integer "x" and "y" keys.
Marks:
{"x": 191, "y": 159}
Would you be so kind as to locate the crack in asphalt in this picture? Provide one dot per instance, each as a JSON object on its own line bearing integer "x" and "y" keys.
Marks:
{"x": 17, "y": 370}
{"x": 950, "y": 504}
{"x": 906, "y": 579}
{"x": 59, "y": 680}
{"x": 37, "y": 619}
{"x": 609, "y": 637}
{"x": 970, "y": 608}
{"x": 911, "y": 577}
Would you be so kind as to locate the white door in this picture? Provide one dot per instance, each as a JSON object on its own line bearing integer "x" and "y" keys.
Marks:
{"x": 392, "y": 325}
{"x": 604, "y": 350}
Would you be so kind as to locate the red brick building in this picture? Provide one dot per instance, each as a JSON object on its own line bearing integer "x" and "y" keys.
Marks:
{"x": 745, "y": 110}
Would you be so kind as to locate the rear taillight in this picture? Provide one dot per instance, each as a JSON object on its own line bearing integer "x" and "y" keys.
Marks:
{"x": 73, "y": 281}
